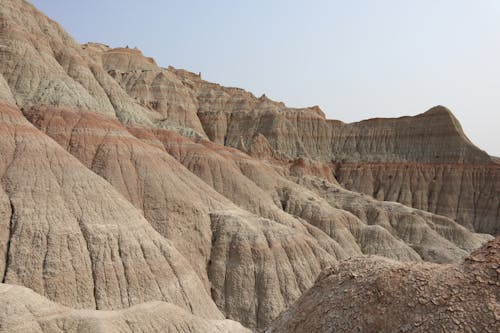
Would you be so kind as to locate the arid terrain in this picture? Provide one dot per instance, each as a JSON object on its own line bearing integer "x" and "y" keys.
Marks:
{"x": 136, "y": 198}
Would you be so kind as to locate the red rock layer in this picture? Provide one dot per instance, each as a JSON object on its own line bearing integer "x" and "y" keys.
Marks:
{"x": 67, "y": 234}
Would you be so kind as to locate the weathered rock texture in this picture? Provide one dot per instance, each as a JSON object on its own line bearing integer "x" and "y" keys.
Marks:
{"x": 435, "y": 161}
{"x": 69, "y": 235}
{"x": 198, "y": 220}
{"x": 467, "y": 193}
{"x": 133, "y": 188}
{"x": 43, "y": 65}
{"x": 25, "y": 311}
{"x": 155, "y": 88}
{"x": 379, "y": 295}
{"x": 435, "y": 238}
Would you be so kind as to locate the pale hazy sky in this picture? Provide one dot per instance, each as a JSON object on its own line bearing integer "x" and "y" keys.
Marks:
{"x": 356, "y": 59}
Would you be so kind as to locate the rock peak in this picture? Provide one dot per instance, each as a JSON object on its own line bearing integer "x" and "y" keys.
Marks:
{"x": 449, "y": 123}
{"x": 439, "y": 109}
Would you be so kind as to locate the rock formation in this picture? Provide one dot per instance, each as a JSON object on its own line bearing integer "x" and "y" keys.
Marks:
{"x": 70, "y": 236}
{"x": 25, "y": 311}
{"x": 467, "y": 193}
{"x": 149, "y": 193}
{"x": 434, "y": 166}
{"x": 374, "y": 294}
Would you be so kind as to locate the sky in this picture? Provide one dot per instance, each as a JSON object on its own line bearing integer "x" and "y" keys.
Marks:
{"x": 356, "y": 59}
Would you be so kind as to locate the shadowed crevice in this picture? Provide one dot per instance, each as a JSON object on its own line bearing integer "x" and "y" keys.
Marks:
{"x": 86, "y": 236}
{"x": 7, "y": 247}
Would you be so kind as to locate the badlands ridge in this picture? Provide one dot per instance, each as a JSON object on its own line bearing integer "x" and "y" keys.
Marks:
{"x": 135, "y": 198}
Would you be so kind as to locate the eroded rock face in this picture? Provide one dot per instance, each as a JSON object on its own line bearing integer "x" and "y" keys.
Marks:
{"x": 434, "y": 136}
{"x": 425, "y": 161}
{"x": 44, "y": 66}
{"x": 69, "y": 235}
{"x": 352, "y": 224}
{"x": 176, "y": 202}
{"x": 466, "y": 193}
{"x": 379, "y": 295}
{"x": 434, "y": 237}
{"x": 191, "y": 214}
{"x": 156, "y": 88}
{"x": 25, "y": 311}
{"x": 278, "y": 265}
{"x": 138, "y": 168}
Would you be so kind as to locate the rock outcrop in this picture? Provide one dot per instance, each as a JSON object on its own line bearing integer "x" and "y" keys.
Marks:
{"x": 148, "y": 193}
{"x": 69, "y": 235}
{"x": 156, "y": 88}
{"x": 193, "y": 215}
{"x": 25, "y": 311}
{"x": 379, "y": 295}
{"x": 428, "y": 155}
{"x": 466, "y": 193}
{"x": 43, "y": 65}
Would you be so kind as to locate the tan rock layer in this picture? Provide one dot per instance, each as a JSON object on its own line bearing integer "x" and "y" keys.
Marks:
{"x": 251, "y": 231}
{"x": 108, "y": 149}
{"x": 260, "y": 189}
{"x": 25, "y": 311}
{"x": 229, "y": 114}
{"x": 435, "y": 238}
{"x": 43, "y": 65}
{"x": 176, "y": 203}
{"x": 467, "y": 193}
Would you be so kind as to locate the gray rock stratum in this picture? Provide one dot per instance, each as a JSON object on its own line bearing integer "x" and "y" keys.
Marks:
{"x": 131, "y": 191}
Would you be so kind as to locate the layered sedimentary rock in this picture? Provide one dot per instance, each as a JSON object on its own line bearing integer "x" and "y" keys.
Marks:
{"x": 43, "y": 65}
{"x": 25, "y": 311}
{"x": 69, "y": 235}
{"x": 148, "y": 191}
{"x": 258, "y": 268}
{"x": 156, "y": 88}
{"x": 231, "y": 114}
{"x": 418, "y": 145}
{"x": 200, "y": 222}
{"x": 142, "y": 172}
{"x": 422, "y": 147}
{"x": 434, "y": 237}
{"x": 379, "y": 295}
{"x": 176, "y": 203}
{"x": 467, "y": 193}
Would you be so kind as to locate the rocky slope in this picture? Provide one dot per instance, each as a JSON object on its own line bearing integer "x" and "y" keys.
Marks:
{"x": 434, "y": 166}
{"x": 133, "y": 188}
{"x": 25, "y": 311}
{"x": 379, "y": 295}
{"x": 69, "y": 235}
